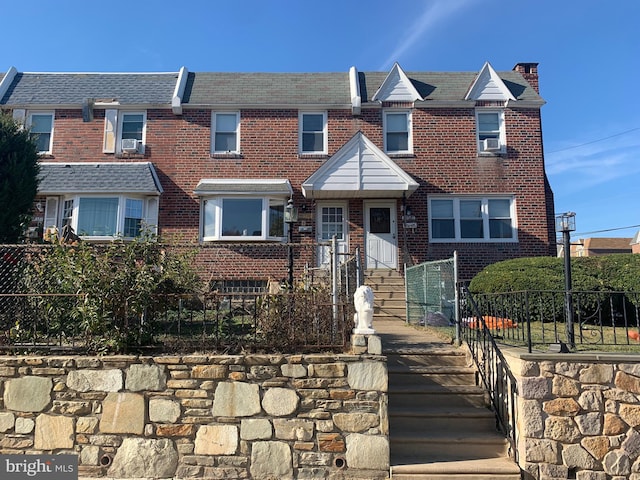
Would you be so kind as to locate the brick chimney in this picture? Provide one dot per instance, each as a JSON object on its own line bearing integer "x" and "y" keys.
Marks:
{"x": 530, "y": 73}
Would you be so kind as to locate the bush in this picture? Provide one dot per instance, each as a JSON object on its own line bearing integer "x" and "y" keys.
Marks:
{"x": 619, "y": 272}
{"x": 607, "y": 273}
{"x": 118, "y": 283}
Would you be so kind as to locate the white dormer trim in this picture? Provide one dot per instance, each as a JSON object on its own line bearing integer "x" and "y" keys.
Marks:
{"x": 176, "y": 100}
{"x": 354, "y": 85}
{"x": 359, "y": 169}
{"x": 7, "y": 80}
{"x": 489, "y": 86}
{"x": 396, "y": 88}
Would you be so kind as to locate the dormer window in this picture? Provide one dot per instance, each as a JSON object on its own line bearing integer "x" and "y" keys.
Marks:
{"x": 397, "y": 131}
{"x": 225, "y": 132}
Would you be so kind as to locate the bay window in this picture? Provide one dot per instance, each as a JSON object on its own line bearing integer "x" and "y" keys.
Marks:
{"x": 243, "y": 218}
{"x": 97, "y": 217}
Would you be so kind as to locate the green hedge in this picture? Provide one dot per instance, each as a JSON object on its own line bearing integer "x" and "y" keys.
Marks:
{"x": 617, "y": 272}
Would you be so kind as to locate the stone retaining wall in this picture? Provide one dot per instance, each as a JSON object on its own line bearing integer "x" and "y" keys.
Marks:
{"x": 254, "y": 416}
{"x": 578, "y": 415}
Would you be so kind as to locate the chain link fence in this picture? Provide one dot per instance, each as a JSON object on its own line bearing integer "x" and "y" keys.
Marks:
{"x": 431, "y": 293}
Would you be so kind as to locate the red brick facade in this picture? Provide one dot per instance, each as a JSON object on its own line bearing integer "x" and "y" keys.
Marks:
{"x": 445, "y": 160}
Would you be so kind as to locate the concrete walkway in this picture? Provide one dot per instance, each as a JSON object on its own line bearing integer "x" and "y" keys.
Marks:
{"x": 399, "y": 337}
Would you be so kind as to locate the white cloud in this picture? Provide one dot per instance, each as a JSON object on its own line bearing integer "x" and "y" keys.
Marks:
{"x": 594, "y": 163}
{"x": 436, "y": 12}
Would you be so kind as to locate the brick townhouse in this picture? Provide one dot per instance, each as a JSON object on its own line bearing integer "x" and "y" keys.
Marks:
{"x": 407, "y": 166}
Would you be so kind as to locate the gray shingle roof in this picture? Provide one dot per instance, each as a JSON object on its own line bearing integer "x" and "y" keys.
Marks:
{"x": 268, "y": 89}
{"x": 233, "y": 89}
{"x": 446, "y": 86}
{"x": 74, "y": 88}
{"x": 61, "y": 178}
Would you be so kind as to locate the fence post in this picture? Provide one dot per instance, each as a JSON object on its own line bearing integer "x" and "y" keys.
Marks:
{"x": 334, "y": 282}
{"x": 456, "y": 307}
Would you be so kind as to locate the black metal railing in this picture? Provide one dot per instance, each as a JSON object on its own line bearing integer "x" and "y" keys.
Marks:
{"x": 493, "y": 369}
{"x": 602, "y": 320}
{"x": 222, "y": 322}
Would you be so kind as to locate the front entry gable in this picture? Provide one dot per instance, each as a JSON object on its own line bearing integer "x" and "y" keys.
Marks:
{"x": 359, "y": 170}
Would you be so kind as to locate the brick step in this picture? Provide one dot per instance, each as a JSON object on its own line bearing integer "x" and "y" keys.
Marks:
{"x": 482, "y": 469}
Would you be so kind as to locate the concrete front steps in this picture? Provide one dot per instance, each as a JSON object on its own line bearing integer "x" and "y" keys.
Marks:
{"x": 389, "y": 293}
{"x": 440, "y": 424}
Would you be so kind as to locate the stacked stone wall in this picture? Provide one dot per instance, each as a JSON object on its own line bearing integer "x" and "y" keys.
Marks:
{"x": 232, "y": 417}
{"x": 578, "y": 416}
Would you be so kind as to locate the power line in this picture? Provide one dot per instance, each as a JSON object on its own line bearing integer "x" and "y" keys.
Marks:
{"x": 595, "y": 141}
{"x": 607, "y": 230}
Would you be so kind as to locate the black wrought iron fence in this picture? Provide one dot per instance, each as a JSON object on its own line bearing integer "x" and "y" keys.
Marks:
{"x": 297, "y": 321}
{"x": 493, "y": 370}
{"x": 603, "y": 320}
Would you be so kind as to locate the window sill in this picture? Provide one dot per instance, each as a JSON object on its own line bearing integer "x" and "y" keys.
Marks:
{"x": 313, "y": 156}
{"x": 401, "y": 155}
{"x": 492, "y": 154}
{"x": 229, "y": 155}
{"x": 46, "y": 155}
{"x": 129, "y": 155}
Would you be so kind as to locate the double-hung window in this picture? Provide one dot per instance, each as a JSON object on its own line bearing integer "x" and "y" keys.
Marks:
{"x": 244, "y": 218}
{"x": 225, "y": 132}
{"x": 490, "y": 131}
{"x": 313, "y": 133}
{"x": 397, "y": 131}
{"x": 125, "y": 132}
{"x": 472, "y": 219}
{"x": 40, "y": 126}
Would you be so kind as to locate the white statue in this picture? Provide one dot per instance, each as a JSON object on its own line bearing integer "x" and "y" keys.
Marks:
{"x": 363, "y": 318}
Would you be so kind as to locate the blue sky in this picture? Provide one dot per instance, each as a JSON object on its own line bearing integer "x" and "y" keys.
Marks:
{"x": 588, "y": 51}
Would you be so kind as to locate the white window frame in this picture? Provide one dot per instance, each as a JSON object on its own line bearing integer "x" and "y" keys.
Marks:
{"x": 121, "y": 115}
{"x": 215, "y": 202}
{"x": 301, "y": 132}
{"x": 50, "y": 113}
{"x": 500, "y": 134}
{"x": 149, "y": 212}
{"x": 214, "y": 130}
{"x": 409, "y": 116}
{"x": 485, "y": 219}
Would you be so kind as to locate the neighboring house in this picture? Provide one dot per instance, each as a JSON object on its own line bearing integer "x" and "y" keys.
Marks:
{"x": 635, "y": 243}
{"x": 408, "y": 166}
{"x": 591, "y": 247}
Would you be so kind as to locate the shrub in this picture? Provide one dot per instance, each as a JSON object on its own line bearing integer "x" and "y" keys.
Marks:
{"x": 118, "y": 281}
{"x": 606, "y": 273}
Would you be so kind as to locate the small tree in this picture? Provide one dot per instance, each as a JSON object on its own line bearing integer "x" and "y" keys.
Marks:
{"x": 19, "y": 170}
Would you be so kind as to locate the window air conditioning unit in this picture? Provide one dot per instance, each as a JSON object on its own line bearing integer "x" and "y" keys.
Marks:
{"x": 491, "y": 144}
{"x": 130, "y": 145}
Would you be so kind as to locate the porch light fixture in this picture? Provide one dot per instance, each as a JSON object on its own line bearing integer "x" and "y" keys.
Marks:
{"x": 290, "y": 217}
{"x": 566, "y": 223}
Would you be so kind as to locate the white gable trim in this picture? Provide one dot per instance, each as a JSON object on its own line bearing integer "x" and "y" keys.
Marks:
{"x": 489, "y": 86}
{"x": 6, "y": 81}
{"x": 359, "y": 170}
{"x": 396, "y": 88}
{"x": 178, "y": 93}
{"x": 354, "y": 87}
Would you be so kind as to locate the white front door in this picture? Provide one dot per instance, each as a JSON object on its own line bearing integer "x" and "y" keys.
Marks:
{"x": 381, "y": 235}
{"x": 332, "y": 220}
